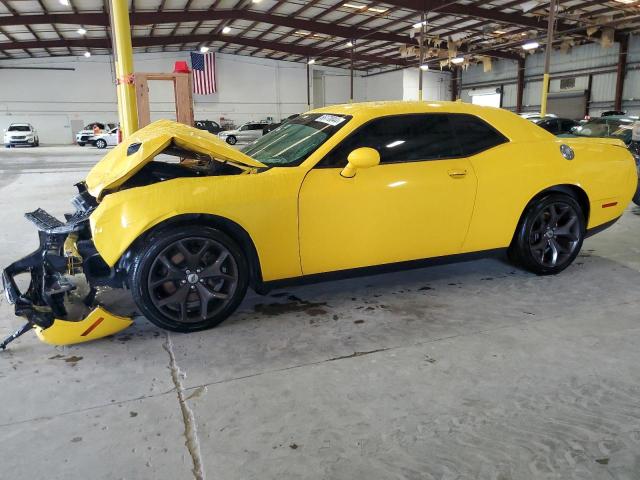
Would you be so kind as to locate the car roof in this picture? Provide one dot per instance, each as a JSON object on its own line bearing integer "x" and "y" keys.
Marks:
{"x": 19, "y": 124}
{"x": 510, "y": 124}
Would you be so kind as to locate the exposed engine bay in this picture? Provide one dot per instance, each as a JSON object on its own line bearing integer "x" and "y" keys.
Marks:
{"x": 68, "y": 275}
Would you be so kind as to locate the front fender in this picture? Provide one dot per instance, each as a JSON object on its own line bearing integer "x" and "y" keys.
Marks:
{"x": 264, "y": 205}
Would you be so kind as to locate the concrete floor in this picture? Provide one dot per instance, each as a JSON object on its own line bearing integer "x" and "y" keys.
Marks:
{"x": 469, "y": 371}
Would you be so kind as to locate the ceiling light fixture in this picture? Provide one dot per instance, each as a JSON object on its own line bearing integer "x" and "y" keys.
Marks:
{"x": 354, "y": 5}
{"x": 256, "y": 1}
{"x": 349, "y": 43}
{"x": 377, "y": 10}
{"x": 424, "y": 67}
{"x": 457, "y": 60}
{"x": 419, "y": 24}
{"x": 64, "y": 2}
{"x": 81, "y": 31}
{"x": 204, "y": 49}
{"x": 626, "y": 2}
{"x": 311, "y": 61}
{"x": 87, "y": 54}
{"x": 226, "y": 30}
{"x": 499, "y": 32}
{"x": 531, "y": 45}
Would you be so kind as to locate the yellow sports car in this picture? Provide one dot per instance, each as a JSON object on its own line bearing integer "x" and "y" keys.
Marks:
{"x": 188, "y": 223}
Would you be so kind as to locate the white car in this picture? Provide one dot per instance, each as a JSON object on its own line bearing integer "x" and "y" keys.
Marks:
{"x": 247, "y": 132}
{"x": 83, "y": 136}
{"x": 533, "y": 116}
{"x": 104, "y": 140}
{"x": 21, "y": 134}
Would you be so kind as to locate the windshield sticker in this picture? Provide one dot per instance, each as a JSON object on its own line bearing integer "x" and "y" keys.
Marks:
{"x": 332, "y": 120}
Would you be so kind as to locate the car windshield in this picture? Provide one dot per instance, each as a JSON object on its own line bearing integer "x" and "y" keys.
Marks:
{"x": 295, "y": 140}
{"x": 19, "y": 128}
{"x": 602, "y": 129}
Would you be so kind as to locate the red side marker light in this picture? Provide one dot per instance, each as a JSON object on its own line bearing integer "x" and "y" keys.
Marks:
{"x": 92, "y": 327}
{"x": 607, "y": 205}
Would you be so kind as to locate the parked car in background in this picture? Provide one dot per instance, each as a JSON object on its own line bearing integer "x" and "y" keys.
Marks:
{"x": 613, "y": 113}
{"x": 272, "y": 126}
{"x": 624, "y": 128}
{"x": 208, "y": 125}
{"x": 104, "y": 140}
{"x": 21, "y": 134}
{"x": 557, "y": 125}
{"x": 533, "y": 116}
{"x": 88, "y": 131}
{"x": 247, "y": 132}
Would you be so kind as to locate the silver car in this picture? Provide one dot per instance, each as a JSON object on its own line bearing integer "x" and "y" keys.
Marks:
{"x": 246, "y": 133}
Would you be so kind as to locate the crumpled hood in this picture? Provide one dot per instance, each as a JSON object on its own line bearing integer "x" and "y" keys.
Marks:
{"x": 117, "y": 167}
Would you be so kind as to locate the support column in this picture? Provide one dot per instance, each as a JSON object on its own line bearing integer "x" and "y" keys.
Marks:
{"x": 547, "y": 58}
{"x": 587, "y": 106}
{"x": 454, "y": 84}
{"x": 621, "y": 71}
{"x": 520, "y": 85}
{"x": 308, "y": 85}
{"x": 351, "y": 69}
{"x": 422, "y": 29}
{"x": 127, "y": 105}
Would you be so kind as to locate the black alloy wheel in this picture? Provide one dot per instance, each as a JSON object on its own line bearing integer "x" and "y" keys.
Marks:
{"x": 550, "y": 235}
{"x": 189, "y": 279}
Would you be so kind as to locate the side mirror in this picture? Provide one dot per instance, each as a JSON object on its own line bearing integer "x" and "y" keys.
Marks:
{"x": 364, "y": 157}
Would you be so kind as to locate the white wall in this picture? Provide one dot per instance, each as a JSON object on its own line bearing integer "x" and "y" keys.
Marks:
{"x": 68, "y": 91}
{"x": 436, "y": 85}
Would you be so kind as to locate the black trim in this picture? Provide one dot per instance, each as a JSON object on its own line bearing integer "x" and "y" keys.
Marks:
{"x": 264, "y": 287}
{"x": 592, "y": 231}
{"x": 454, "y": 133}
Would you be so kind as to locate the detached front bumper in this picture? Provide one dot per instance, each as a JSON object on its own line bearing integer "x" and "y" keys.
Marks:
{"x": 59, "y": 256}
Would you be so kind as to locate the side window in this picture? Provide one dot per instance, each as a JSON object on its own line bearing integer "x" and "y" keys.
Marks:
{"x": 474, "y": 134}
{"x": 244, "y": 128}
{"x": 401, "y": 138}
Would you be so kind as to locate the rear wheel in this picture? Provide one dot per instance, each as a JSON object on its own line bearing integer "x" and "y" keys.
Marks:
{"x": 189, "y": 279}
{"x": 231, "y": 140}
{"x": 549, "y": 235}
{"x": 101, "y": 143}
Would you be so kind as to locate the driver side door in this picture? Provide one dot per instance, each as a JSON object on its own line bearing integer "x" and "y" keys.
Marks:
{"x": 417, "y": 203}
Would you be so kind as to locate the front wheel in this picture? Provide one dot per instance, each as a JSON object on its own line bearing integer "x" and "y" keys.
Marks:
{"x": 231, "y": 140}
{"x": 189, "y": 279}
{"x": 549, "y": 235}
{"x": 101, "y": 144}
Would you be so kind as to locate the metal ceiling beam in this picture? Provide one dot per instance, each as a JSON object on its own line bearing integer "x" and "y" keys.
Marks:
{"x": 163, "y": 40}
{"x": 151, "y": 18}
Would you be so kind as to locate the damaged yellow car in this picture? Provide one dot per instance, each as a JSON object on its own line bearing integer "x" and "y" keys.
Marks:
{"x": 188, "y": 223}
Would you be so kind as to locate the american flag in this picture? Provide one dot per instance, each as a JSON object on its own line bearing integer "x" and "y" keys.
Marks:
{"x": 204, "y": 73}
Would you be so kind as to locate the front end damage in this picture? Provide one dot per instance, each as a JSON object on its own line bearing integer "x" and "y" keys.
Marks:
{"x": 64, "y": 259}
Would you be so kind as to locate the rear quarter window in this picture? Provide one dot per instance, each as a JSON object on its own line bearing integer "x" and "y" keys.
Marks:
{"x": 474, "y": 134}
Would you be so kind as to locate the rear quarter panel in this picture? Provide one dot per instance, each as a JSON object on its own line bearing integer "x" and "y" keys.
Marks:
{"x": 510, "y": 175}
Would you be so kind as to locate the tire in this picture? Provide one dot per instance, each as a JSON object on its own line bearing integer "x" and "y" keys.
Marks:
{"x": 179, "y": 301}
{"x": 636, "y": 197}
{"x": 101, "y": 144}
{"x": 549, "y": 235}
{"x": 7, "y": 146}
{"x": 231, "y": 140}
{"x": 82, "y": 144}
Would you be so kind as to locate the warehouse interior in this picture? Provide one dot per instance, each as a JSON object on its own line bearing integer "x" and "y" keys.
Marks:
{"x": 469, "y": 370}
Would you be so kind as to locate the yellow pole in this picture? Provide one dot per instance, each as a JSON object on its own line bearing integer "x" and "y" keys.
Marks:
{"x": 127, "y": 106}
{"x": 545, "y": 94}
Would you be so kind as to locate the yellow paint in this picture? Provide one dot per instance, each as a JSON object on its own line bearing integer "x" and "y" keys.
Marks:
{"x": 65, "y": 332}
{"x": 127, "y": 103}
{"x": 306, "y": 220}
{"x": 545, "y": 95}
